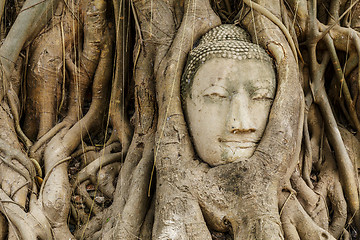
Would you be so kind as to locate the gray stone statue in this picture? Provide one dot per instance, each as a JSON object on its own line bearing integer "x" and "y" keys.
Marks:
{"x": 227, "y": 88}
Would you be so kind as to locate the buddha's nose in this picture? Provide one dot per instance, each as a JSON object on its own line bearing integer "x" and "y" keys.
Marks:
{"x": 240, "y": 119}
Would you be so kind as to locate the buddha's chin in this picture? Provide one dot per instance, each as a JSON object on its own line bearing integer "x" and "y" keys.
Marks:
{"x": 230, "y": 155}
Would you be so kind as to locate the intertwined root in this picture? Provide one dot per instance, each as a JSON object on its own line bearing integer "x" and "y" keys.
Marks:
{"x": 60, "y": 75}
{"x": 69, "y": 67}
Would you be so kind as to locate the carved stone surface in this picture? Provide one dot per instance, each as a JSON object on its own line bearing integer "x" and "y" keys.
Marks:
{"x": 229, "y": 95}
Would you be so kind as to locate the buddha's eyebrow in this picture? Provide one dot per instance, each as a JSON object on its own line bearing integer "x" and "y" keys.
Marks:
{"x": 214, "y": 85}
{"x": 258, "y": 82}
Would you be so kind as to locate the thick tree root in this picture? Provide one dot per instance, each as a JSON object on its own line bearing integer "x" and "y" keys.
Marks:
{"x": 30, "y": 225}
{"x": 93, "y": 167}
{"x": 56, "y": 201}
{"x": 296, "y": 222}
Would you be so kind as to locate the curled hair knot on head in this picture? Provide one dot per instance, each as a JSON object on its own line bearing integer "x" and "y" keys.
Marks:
{"x": 225, "y": 41}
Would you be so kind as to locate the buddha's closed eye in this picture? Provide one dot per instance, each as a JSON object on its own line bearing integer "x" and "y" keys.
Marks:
{"x": 262, "y": 94}
{"x": 216, "y": 93}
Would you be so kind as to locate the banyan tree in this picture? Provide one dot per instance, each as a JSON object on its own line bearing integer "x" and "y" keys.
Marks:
{"x": 179, "y": 119}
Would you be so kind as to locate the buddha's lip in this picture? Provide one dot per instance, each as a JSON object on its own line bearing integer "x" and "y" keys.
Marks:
{"x": 247, "y": 143}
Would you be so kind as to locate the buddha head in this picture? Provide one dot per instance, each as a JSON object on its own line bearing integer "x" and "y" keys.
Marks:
{"x": 227, "y": 90}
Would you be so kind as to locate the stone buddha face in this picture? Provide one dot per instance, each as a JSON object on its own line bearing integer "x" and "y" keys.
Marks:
{"x": 227, "y": 88}
{"x": 227, "y": 108}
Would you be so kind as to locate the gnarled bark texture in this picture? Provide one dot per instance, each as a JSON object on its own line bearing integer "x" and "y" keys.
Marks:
{"x": 94, "y": 142}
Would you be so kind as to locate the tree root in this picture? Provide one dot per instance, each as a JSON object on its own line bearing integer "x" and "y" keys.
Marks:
{"x": 28, "y": 24}
{"x": 117, "y": 109}
{"x": 14, "y": 105}
{"x": 346, "y": 169}
{"x": 308, "y": 158}
{"x": 275, "y": 20}
{"x": 297, "y": 224}
{"x": 46, "y": 73}
{"x": 127, "y": 225}
{"x": 91, "y": 227}
{"x": 22, "y": 172}
{"x": 133, "y": 181}
{"x": 172, "y": 160}
{"x": 340, "y": 77}
{"x": 10, "y": 154}
{"x": 46, "y": 137}
{"x": 329, "y": 187}
{"x": 56, "y": 204}
{"x": 29, "y": 225}
{"x": 106, "y": 176}
{"x": 80, "y": 81}
{"x": 93, "y": 167}
{"x": 89, "y": 202}
{"x": 4, "y": 227}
